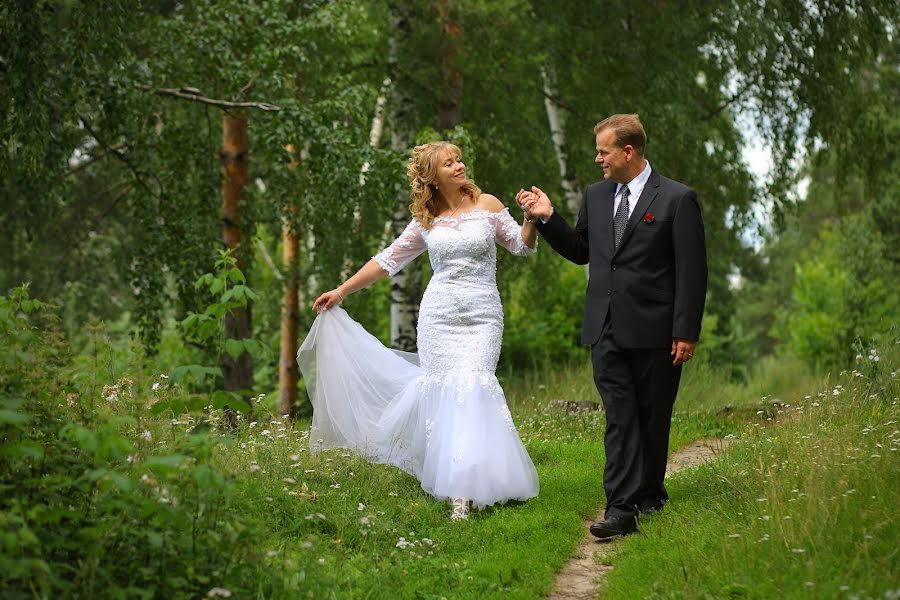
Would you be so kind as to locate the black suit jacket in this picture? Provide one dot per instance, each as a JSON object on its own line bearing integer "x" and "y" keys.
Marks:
{"x": 654, "y": 284}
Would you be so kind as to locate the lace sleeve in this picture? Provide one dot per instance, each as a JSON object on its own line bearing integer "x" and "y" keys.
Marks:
{"x": 508, "y": 234}
{"x": 403, "y": 250}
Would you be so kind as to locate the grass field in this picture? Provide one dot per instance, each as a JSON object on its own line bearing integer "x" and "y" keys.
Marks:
{"x": 103, "y": 498}
{"x": 804, "y": 508}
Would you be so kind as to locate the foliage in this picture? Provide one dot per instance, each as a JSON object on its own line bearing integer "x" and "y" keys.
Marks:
{"x": 842, "y": 292}
{"x": 542, "y": 323}
{"x": 229, "y": 287}
{"x": 206, "y": 329}
{"x": 90, "y": 504}
{"x": 137, "y": 171}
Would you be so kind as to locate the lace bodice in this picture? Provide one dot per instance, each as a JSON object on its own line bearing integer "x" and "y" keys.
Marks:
{"x": 460, "y": 324}
{"x": 462, "y": 247}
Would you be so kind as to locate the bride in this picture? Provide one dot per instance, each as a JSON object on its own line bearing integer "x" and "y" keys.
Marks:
{"x": 440, "y": 415}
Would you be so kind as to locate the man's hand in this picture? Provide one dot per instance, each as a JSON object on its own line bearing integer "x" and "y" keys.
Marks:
{"x": 682, "y": 350}
{"x": 535, "y": 203}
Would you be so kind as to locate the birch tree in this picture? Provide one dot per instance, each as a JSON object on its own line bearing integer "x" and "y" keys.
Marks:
{"x": 405, "y": 285}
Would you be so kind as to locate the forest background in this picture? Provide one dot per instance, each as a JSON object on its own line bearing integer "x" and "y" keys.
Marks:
{"x": 141, "y": 139}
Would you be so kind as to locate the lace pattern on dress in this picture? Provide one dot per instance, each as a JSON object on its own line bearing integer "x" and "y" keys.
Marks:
{"x": 508, "y": 234}
{"x": 403, "y": 250}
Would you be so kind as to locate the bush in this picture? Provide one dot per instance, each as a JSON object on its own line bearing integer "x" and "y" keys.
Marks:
{"x": 842, "y": 292}
{"x": 92, "y": 502}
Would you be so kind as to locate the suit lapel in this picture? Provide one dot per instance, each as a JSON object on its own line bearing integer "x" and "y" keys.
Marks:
{"x": 648, "y": 195}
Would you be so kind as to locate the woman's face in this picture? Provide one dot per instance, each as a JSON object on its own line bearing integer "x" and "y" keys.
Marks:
{"x": 450, "y": 172}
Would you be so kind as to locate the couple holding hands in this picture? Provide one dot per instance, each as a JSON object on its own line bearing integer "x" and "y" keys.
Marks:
{"x": 441, "y": 414}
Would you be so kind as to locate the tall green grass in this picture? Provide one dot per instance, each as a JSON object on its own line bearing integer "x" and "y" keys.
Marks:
{"x": 805, "y": 508}
{"x": 100, "y": 496}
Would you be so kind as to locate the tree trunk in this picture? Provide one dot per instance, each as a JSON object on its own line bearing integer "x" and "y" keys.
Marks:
{"x": 374, "y": 133}
{"x": 238, "y": 374}
{"x": 290, "y": 316}
{"x": 450, "y": 101}
{"x": 374, "y": 140}
{"x": 556, "y": 118}
{"x": 290, "y": 301}
{"x": 406, "y": 285}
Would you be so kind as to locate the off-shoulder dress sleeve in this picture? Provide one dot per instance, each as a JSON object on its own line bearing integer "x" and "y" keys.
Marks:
{"x": 403, "y": 250}
{"x": 508, "y": 234}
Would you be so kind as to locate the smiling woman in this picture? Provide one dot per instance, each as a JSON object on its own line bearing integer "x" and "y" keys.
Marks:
{"x": 438, "y": 183}
{"x": 441, "y": 414}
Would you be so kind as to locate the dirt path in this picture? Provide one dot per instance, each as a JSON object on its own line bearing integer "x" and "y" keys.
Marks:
{"x": 581, "y": 577}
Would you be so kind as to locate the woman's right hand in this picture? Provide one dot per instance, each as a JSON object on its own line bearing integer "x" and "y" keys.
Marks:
{"x": 327, "y": 300}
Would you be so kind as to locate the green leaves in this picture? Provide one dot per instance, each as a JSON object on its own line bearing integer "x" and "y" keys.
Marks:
{"x": 165, "y": 463}
{"x": 12, "y": 417}
{"x": 235, "y": 347}
{"x": 841, "y": 293}
{"x": 195, "y": 373}
{"x": 239, "y": 294}
{"x": 231, "y": 399}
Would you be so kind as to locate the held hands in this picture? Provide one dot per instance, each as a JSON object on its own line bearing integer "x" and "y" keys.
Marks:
{"x": 682, "y": 350}
{"x": 327, "y": 300}
{"x": 535, "y": 203}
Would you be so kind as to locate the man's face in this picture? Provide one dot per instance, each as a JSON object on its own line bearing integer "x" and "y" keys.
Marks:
{"x": 610, "y": 156}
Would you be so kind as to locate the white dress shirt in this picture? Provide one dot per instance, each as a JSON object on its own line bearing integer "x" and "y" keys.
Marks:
{"x": 635, "y": 188}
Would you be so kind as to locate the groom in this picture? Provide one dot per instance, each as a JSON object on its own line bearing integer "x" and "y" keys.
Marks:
{"x": 643, "y": 237}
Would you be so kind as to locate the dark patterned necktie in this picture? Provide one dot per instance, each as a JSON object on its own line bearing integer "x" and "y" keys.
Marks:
{"x": 621, "y": 218}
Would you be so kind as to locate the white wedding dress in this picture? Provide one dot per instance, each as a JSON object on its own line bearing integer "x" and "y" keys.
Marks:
{"x": 440, "y": 415}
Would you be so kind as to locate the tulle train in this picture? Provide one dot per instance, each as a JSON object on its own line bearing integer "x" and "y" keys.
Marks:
{"x": 452, "y": 431}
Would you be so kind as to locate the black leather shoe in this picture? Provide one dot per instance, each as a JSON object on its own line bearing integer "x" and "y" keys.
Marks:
{"x": 614, "y": 526}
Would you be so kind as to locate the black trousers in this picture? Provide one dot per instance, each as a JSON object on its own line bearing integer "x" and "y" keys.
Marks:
{"x": 638, "y": 389}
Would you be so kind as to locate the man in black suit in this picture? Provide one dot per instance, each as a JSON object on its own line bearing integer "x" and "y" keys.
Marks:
{"x": 643, "y": 237}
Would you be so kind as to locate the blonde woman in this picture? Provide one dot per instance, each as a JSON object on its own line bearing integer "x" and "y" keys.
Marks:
{"x": 439, "y": 415}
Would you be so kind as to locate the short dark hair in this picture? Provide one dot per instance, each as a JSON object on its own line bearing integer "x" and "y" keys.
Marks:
{"x": 628, "y": 129}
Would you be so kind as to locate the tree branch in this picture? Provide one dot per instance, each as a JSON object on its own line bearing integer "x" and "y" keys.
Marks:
{"x": 195, "y": 95}
{"x": 268, "y": 258}
{"x": 734, "y": 98}
{"x": 116, "y": 151}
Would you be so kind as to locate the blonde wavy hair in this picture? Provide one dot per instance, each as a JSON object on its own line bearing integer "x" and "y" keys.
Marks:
{"x": 421, "y": 172}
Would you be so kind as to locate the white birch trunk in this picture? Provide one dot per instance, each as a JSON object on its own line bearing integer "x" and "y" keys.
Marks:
{"x": 406, "y": 285}
{"x": 375, "y": 132}
{"x": 571, "y": 190}
{"x": 374, "y": 140}
{"x": 556, "y": 118}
